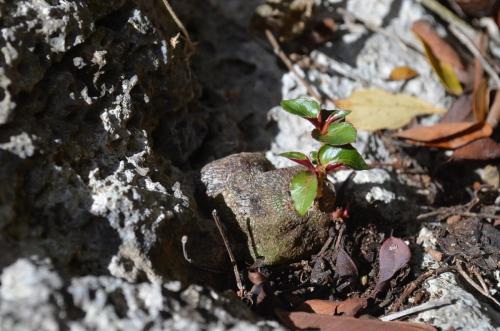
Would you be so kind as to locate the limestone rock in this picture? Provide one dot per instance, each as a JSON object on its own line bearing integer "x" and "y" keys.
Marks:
{"x": 87, "y": 88}
{"x": 34, "y": 297}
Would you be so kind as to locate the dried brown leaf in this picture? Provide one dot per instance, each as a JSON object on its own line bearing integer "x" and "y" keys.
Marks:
{"x": 443, "y": 59}
{"x": 483, "y": 131}
{"x": 481, "y": 149}
{"x": 494, "y": 114}
{"x": 301, "y": 321}
{"x": 481, "y": 100}
{"x": 394, "y": 254}
{"x": 460, "y": 110}
{"x": 436, "y": 255}
{"x": 435, "y": 132}
{"x": 402, "y": 73}
{"x": 349, "y": 307}
{"x": 440, "y": 48}
{"x": 345, "y": 266}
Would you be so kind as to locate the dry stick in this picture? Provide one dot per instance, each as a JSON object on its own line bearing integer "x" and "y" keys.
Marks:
{"x": 410, "y": 288}
{"x": 474, "y": 284}
{"x": 462, "y": 36}
{"x": 241, "y": 289}
{"x": 451, "y": 212}
{"x": 326, "y": 244}
{"x": 380, "y": 30}
{"x": 181, "y": 27}
{"x": 339, "y": 237}
{"x": 288, "y": 63}
{"x": 416, "y": 309}
{"x": 480, "y": 279}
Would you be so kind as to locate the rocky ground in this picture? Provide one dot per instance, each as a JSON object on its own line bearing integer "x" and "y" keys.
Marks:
{"x": 105, "y": 127}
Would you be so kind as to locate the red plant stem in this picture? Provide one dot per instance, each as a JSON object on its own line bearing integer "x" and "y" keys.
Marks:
{"x": 328, "y": 121}
{"x": 315, "y": 122}
{"x": 332, "y": 167}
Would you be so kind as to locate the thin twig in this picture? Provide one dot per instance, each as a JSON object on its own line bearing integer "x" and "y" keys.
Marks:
{"x": 417, "y": 309}
{"x": 410, "y": 288}
{"x": 339, "y": 237}
{"x": 288, "y": 63}
{"x": 380, "y": 30}
{"x": 480, "y": 279}
{"x": 474, "y": 284}
{"x": 452, "y": 212}
{"x": 327, "y": 243}
{"x": 237, "y": 276}
{"x": 180, "y": 25}
{"x": 462, "y": 36}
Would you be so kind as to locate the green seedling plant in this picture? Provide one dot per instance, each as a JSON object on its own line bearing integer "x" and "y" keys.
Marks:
{"x": 336, "y": 152}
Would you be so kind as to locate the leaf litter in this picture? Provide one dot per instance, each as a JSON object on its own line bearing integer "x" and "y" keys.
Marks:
{"x": 376, "y": 109}
{"x": 358, "y": 274}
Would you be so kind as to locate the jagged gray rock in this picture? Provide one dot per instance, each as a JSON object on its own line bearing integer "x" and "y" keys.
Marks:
{"x": 34, "y": 297}
{"x": 89, "y": 85}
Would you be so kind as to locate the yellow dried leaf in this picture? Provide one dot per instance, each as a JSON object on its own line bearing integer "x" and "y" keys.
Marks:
{"x": 402, "y": 73}
{"x": 445, "y": 72}
{"x": 375, "y": 109}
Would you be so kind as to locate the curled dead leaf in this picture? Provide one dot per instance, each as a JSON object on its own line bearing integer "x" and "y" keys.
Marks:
{"x": 481, "y": 149}
{"x": 349, "y": 307}
{"x": 302, "y": 321}
{"x": 446, "y": 135}
{"x": 460, "y": 110}
{"x": 483, "y": 131}
{"x": 394, "y": 254}
{"x": 443, "y": 59}
{"x": 435, "y": 132}
{"x": 402, "y": 73}
{"x": 345, "y": 266}
{"x": 439, "y": 47}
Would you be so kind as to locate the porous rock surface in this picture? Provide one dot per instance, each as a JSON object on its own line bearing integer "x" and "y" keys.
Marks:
{"x": 90, "y": 85}
{"x": 98, "y": 124}
{"x": 35, "y": 297}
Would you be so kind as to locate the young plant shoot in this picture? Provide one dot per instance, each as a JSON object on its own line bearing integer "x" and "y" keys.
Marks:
{"x": 337, "y": 135}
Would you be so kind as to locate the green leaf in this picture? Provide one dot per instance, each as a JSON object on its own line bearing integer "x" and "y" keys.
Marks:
{"x": 346, "y": 155}
{"x": 294, "y": 155}
{"x": 300, "y": 158}
{"x": 303, "y": 188}
{"x": 303, "y": 107}
{"x": 337, "y": 134}
{"x": 313, "y": 155}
